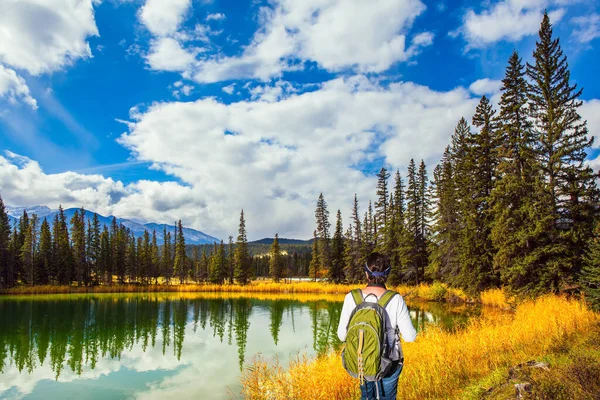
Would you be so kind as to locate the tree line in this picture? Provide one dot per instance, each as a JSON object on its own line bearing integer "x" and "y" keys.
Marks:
{"x": 512, "y": 202}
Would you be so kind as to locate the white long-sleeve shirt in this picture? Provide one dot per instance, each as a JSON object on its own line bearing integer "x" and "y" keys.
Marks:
{"x": 396, "y": 310}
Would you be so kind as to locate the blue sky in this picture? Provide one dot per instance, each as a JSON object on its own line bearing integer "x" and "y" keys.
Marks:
{"x": 186, "y": 109}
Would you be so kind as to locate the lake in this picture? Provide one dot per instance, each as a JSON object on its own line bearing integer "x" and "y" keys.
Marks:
{"x": 157, "y": 346}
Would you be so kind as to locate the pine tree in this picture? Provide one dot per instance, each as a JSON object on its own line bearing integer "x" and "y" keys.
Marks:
{"x": 230, "y": 261}
{"x": 336, "y": 272}
{"x": 4, "y": 245}
{"x": 180, "y": 266}
{"x": 381, "y": 211}
{"x": 313, "y": 269}
{"x": 562, "y": 139}
{"x": 445, "y": 248}
{"x": 44, "y": 258}
{"x": 132, "y": 259}
{"x": 424, "y": 217}
{"x": 203, "y": 276}
{"x": 104, "y": 260}
{"x": 352, "y": 264}
{"x": 410, "y": 242}
{"x": 27, "y": 252}
{"x": 78, "y": 246}
{"x": 396, "y": 231}
{"x": 154, "y": 258}
{"x": 64, "y": 255}
{"x": 323, "y": 225}
{"x": 166, "y": 256}
{"x": 276, "y": 260}
{"x": 513, "y": 197}
{"x": 94, "y": 246}
{"x": 590, "y": 277}
{"x": 477, "y": 247}
{"x": 242, "y": 256}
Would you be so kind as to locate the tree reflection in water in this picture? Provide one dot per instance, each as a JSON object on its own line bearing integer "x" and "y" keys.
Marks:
{"x": 77, "y": 331}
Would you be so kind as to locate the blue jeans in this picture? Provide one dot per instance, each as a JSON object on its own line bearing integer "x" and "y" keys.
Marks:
{"x": 388, "y": 387}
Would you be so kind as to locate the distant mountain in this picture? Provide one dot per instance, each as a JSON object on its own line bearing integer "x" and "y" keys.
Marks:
{"x": 282, "y": 241}
{"x": 192, "y": 236}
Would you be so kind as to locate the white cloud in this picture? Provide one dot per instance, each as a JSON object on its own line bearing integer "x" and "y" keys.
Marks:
{"x": 166, "y": 54}
{"x": 271, "y": 156}
{"x": 485, "y": 86}
{"x": 508, "y": 20}
{"x": 216, "y": 17}
{"x": 590, "y": 111}
{"x": 588, "y": 28}
{"x": 337, "y": 34}
{"x": 41, "y": 37}
{"x": 163, "y": 17}
{"x": 14, "y": 88}
{"x": 229, "y": 88}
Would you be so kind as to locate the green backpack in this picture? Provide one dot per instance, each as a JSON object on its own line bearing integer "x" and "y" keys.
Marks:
{"x": 366, "y": 355}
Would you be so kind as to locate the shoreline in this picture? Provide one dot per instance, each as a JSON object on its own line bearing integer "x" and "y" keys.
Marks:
{"x": 436, "y": 292}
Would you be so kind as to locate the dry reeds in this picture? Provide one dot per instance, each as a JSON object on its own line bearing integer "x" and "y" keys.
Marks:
{"x": 439, "y": 364}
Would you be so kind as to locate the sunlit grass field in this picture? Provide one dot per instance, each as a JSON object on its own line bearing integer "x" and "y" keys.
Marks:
{"x": 441, "y": 364}
{"x": 434, "y": 292}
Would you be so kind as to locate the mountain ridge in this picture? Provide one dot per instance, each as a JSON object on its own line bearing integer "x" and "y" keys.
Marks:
{"x": 192, "y": 236}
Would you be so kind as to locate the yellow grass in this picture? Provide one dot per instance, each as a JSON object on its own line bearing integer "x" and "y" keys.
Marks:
{"x": 439, "y": 364}
{"x": 497, "y": 298}
{"x": 435, "y": 292}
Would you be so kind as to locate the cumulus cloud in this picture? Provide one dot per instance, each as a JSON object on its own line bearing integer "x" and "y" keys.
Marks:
{"x": 273, "y": 158}
{"x": 166, "y": 54}
{"x": 590, "y": 111}
{"x": 588, "y": 28}
{"x": 39, "y": 37}
{"x": 14, "y": 88}
{"x": 163, "y": 17}
{"x": 508, "y": 20}
{"x": 336, "y": 34}
{"x": 229, "y": 88}
{"x": 485, "y": 86}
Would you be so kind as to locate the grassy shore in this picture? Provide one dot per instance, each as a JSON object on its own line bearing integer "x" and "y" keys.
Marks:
{"x": 473, "y": 362}
{"x": 435, "y": 292}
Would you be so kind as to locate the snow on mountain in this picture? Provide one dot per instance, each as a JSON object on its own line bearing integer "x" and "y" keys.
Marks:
{"x": 192, "y": 236}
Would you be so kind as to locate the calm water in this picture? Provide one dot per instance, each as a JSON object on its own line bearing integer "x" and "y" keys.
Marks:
{"x": 159, "y": 346}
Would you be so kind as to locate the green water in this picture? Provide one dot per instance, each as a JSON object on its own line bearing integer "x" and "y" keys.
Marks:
{"x": 159, "y": 346}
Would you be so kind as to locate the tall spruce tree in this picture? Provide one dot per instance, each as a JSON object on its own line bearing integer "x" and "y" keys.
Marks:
{"x": 410, "y": 242}
{"x": 396, "y": 231}
{"x": 515, "y": 229}
{"x": 336, "y": 272}
{"x": 78, "y": 244}
{"x": 166, "y": 266}
{"x": 323, "y": 225}
{"x": 445, "y": 261}
{"x": 44, "y": 259}
{"x": 230, "y": 261}
{"x": 4, "y": 245}
{"x": 381, "y": 211}
{"x": 243, "y": 263}
{"x": 477, "y": 247}
{"x": 180, "y": 266}
{"x": 590, "y": 277}
{"x": 562, "y": 139}
{"x": 276, "y": 260}
{"x": 313, "y": 268}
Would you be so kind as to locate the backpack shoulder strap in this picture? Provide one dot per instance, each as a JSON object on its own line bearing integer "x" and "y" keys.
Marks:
{"x": 357, "y": 296}
{"x": 386, "y": 297}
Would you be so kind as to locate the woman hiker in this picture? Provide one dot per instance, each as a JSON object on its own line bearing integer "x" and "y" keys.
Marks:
{"x": 397, "y": 321}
